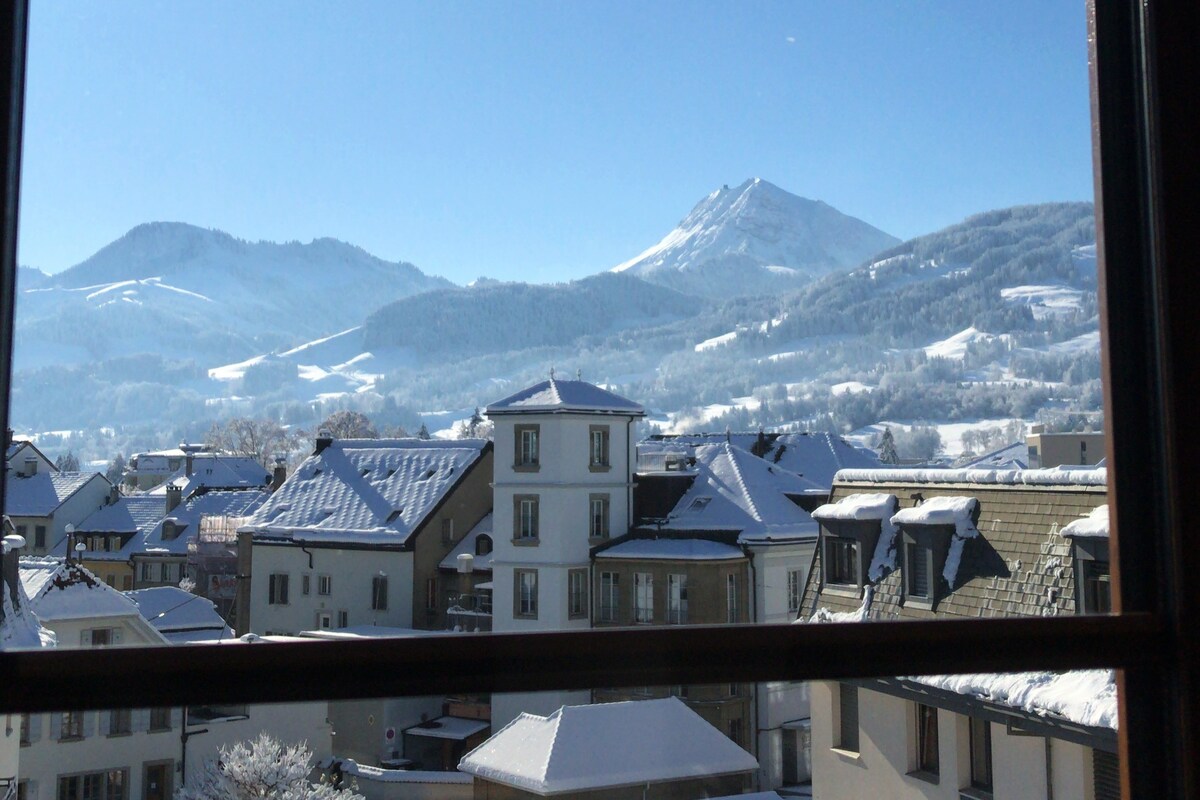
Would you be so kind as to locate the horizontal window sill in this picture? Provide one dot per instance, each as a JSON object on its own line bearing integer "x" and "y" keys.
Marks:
{"x": 159, "y": 730}
{"x": 529, "y": 541}
{"x": 926, "y": 776}
{"x": 65, "y": 739}
{"x": 527, "y": 467}
{"x": 118, "y": 734}
{"x": 595, "y": 540}
{"x": 852, "y": 756}
{"x": 842, "y": 590}
{"x": 599, "y": 467}
{"x": 972, "y": 793}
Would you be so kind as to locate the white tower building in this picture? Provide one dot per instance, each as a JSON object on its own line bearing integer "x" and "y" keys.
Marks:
{"x": 564, "y": 466}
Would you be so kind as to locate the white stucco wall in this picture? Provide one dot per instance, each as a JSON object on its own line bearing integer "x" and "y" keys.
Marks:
{"x": 351, "y": 572}
{"x": 360, "y": 726}
{"x": 287, "y": 722}
{"x": 506, "y": 707}
{"x": 564, "y": 484}
{"x": 46, "y": 758}
{"x": 134, "y": 630}
{"x": 10, "y": 748}
{"x": 887, "y": 752}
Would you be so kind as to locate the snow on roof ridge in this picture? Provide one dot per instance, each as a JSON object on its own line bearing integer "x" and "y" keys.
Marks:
{"x": 410, "y": 442}
{"x": 1094, "y": 525}
{"x": 737, "y": 471}
{"x": 1052, "y": 476}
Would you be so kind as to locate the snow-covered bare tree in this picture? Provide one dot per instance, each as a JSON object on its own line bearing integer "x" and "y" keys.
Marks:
{"x": 261, "y": 439}
{"x": 262, "y": 768}
{"x": 349, "y": 425}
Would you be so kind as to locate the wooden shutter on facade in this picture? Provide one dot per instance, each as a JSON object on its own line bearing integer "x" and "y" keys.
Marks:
{"x": 1106, "y": 775}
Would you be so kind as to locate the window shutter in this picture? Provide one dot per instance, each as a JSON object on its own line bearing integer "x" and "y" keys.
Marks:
{"x": 117, "y": 635}
{"x": 140, "y": 720}
{"x": 56, "y": 726}
{"x": 35, "y": 727}
{"x": 176, "y": 717}
{"x": 103, "y": 722}
{"x": 89, "y": 723}
{"x": 85, "y": 638}
{"x": 537, "y": 530}
{"x": 1106, "y": 773}
{"x": 283, "y": 589}
{"x": 271, "y": 589}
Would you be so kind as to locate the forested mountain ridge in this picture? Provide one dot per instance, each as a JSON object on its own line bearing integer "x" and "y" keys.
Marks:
{"x": 495, "y": 317}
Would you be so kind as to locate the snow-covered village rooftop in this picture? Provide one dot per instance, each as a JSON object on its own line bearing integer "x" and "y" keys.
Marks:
{"x": 375, "y": 491}
{"x": 180, "y": 616}
{"x": 38, "y": 495}
{"x": 814, "y": 455}
{"x": 734, "y": 490}
{"x": 604, "y": 746}
{"x": 556, "y": 395}
{"x": 1054, "y": 476}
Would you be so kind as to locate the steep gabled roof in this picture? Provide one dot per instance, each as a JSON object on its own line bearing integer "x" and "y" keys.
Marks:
{"x": 181, "y": 617}
{"x": 737, "y": 491}
{"x": 217, "y": 471}
{"x": 40, "y": 494}
{"x": 60, "y": 591}
{"x": 604, "y": 746}
{"x": 815, "y": 455}
{"x": 186, "y": 518}
{"x": 366, "y": 491}
{"x": 558, "y": 395}
{"x": 128, "y": 515}
{"x": 1013, "y": 456}
{"x": 467, "y": 545}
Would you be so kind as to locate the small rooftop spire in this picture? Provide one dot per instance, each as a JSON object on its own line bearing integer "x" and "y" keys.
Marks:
{"x": 551, "y": 373}
{"x": 579, "y": 374}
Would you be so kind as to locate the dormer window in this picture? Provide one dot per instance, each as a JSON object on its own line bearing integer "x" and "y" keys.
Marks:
{"x": 841, "y": 559}
{"x": 528, "y": 450}
{"x": 699, "y": 504}
{"x": 1089, "y": 546}
{"x": 932, "y": 537}
{"x": 854, "y": 549}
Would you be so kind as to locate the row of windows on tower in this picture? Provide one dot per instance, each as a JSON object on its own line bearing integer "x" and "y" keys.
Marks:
{"x": 527, "y": 447}
{"x": 526, "y": 516}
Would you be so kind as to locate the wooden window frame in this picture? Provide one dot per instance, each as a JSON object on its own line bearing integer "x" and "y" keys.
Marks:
{"x": 577, "y": 593}
{"x": 519, "y": 611}
{"x": 1143, "y": 61}
{"x": 601, "y": 461}
{"x": 520, "y": 463}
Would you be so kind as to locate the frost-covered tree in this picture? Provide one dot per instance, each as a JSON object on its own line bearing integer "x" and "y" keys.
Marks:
{"x": 349, "y": 425}
{"x": 887, "y": 448}
{"x": 261, "y": 439}
{"x": 262, "y": 768}
{"x": 115, "y": 472}
{"x": 67, "y": 462}
{"x": 423, "y": 433}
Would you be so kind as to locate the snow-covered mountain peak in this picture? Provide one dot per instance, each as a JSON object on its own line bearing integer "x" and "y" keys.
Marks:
{"x": 755, "y": 237}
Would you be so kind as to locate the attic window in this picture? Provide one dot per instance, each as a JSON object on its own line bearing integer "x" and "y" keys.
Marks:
{"x": 395, "y": 515}
{"x": 427, "y": 475}
{"x": 699, "y": 504}
{"x": 391, "y": 471}
{"x": 364, "y": 472}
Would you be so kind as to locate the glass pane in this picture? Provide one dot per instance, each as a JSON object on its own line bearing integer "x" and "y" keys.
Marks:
{"x": 269, "y": 434}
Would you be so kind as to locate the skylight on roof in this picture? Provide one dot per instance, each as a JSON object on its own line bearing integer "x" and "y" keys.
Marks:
{"x": 699, "y": 504}
{"x": 395, "y": 515}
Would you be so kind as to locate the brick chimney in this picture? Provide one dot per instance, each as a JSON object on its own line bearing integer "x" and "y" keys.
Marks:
{"x": 174, "y": 497}
{"x": 279, "y": 475}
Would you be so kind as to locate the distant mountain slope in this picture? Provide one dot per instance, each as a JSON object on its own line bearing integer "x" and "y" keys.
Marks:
{"x": 495, "y": 317}
{"x": 977, "y": 273}
{"x": 753, "y": 239}
{"x": 173, "y": 288}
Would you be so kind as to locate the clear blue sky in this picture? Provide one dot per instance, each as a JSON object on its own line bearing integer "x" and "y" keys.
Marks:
{"x": 537, "y": 141}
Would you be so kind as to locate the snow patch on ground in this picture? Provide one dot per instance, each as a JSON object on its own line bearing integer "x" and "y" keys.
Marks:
{"x": 955, "y": 347}
{"x": 850, "y": 387}
{"x": 1045, "y": 301}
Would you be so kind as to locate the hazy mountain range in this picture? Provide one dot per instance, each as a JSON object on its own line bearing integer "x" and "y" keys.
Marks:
{"x": 752, "y": 311}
